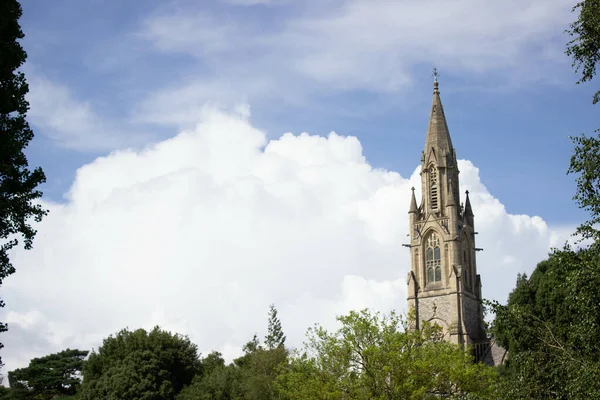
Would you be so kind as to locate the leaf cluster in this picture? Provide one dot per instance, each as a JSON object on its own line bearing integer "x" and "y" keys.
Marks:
{"x": 373, "y": 356}
{"x": 550, "y": 325}
{"x": 585, "y": 162}
{"x": 584, "y": 48}
{"x": 50, "y": 376}
{"x": 249, "y": 377}
{"x": 137, "y": 364}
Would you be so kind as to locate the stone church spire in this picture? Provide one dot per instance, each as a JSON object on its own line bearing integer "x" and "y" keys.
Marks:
{"x": 468, "y": 208}
{"x": 438, "y": 136}
{"x": 443, "y": 285}
{"x": 439, "y": 172}
{"x": 413, "y": 203}
{"x": 468, "y": 213}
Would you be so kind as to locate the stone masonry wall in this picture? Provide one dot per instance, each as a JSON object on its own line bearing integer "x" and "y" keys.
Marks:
{"x": 443, "y": 310}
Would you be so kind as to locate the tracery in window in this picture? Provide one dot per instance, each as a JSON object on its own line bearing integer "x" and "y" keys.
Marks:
{"x": 433, "y": 259}
{"x": 433, "y": 186}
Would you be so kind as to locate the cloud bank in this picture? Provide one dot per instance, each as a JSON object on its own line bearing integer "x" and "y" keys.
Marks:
{"x": 317, "y": 49}
{"x": 201, "y": 232}
{"x": 166, "y": 61}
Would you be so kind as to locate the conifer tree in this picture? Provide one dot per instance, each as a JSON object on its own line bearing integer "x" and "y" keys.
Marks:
{"x": 275, "y": 337}
{"x": 18, "y": 193}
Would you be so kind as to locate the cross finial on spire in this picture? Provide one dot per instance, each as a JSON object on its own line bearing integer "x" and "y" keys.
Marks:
{"x": 435, "y": 75}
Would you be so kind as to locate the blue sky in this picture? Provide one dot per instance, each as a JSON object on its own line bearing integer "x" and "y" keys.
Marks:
{"x": 177, "y": 196}
{"x": 508, "y": 113}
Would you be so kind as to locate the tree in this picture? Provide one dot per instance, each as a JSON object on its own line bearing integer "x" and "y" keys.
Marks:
{"x": 140, "y": 365}
{"x": 258, "y": 367}
{"x": 217, "y": 381}
{"x": 584, "y": 48}
{"x": 211, "y": 384}
{"x": 18, "y": 193}
{"x": 259, "y": 370}
{"x": 275, "y": 337}
{"x": 550, "y": 327}
{"x": 585, "y": 161}
{"x": 373, "y": 356}
{"x": 249, "y": 377}
{"x": 551, "y": 322}
{"x": 50, "y": 376}
{"x": 4, "y": 393}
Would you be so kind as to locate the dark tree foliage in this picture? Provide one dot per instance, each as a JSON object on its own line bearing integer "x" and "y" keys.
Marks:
{"x": 153, "y": 365}
{"x": 260, "y": 365}
{"x": 217, "y": 381}
{"x": 259, "y": 370}
{"x": 50, "y": 376}
{"x": 4, "y": 393}
{"x": 17, "y": 183}
{"x": 550, "y": 327}
{"x": 584, "y": 48}
{"x": 249, "y": 377}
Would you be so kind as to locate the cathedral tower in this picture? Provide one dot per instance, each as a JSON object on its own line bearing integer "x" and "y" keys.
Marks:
{"x": 443, "y": 284}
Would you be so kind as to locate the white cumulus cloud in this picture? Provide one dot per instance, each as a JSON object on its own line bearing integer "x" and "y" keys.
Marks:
{"x": 201, "y": 232}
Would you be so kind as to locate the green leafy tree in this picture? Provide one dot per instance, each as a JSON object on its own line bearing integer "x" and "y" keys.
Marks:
{"x": 140, "y": 365}
{"x": 18, "y": 193}
{"x": 585, "y": 162}
{"x": 584, "y": 48}
{"x": 50, "y": 376}
{"x": 373, "y": 356}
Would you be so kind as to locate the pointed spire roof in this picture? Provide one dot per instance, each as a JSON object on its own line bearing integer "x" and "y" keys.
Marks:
{"x": 438, "y": 135}
{"x": 468, "y": 209}
{"x": 413, "y": 202}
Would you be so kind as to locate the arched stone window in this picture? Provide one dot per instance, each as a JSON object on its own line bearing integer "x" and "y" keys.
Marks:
{"x": 433, "y": 259}
{"x": 433, "y": 187}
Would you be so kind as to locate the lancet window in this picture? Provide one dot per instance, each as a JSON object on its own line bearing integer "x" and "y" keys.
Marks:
{"x": 433, "y": 187}
{"x": 433, "y": 259}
